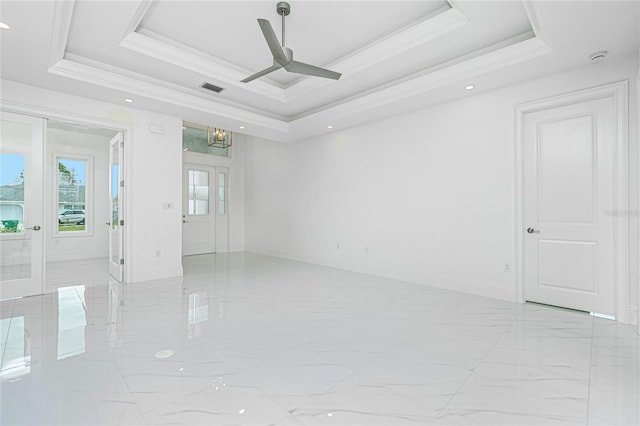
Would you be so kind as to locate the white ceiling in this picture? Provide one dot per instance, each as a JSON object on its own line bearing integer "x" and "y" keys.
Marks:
{"x": 394, "y": 55}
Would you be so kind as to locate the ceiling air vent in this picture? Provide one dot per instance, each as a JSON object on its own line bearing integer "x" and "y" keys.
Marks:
{"x": 211, "y": 87}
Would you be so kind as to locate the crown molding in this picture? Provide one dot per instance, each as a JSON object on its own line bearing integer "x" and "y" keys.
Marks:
{"x": 174, "y": 53}
{"x": 287, "y": 128}
{"x": 431, "y": 79}
{"x": 499, "y": 59}
{"x": 138, "y": 16}
{"x": 532, "y": 10}
{"x": 417, "y": 34}
{"x": 159, "y": 47}
{"x": 62, "y": 15}
{"x": 440, "y": 76}
{"x": 172, "y": 94}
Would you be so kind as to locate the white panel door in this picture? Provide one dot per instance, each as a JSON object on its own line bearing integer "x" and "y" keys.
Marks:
{"x": 199, "y": 209}
{"x": 569, "y": 204}
{"x": 21, "y": 205}
{"x": 116, "y": 185}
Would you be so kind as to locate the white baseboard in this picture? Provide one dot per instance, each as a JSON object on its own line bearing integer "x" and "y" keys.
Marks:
{"x": 416, "y": 277}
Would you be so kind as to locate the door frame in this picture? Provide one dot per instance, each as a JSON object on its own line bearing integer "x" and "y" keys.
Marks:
{"x": 636, "y": 314}
{"x": 127, "y": 131}
{"x": 36, "y": 215}
{"x": 618, "y": 91}
{"x": 212, "y": 205}
{"x": 216, "y": 162}
{"x": 116, "y": 270}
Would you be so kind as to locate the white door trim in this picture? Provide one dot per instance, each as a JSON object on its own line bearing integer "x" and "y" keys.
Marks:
{"x": 127, "y": 131}
{"x": 637, "y": 212}
{"x": 216, "y": 162}
{"x": 116, "y": 269}
{"x": 619, "y": 92}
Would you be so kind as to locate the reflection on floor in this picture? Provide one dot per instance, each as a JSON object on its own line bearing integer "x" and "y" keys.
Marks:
{"x": 253, "y": 340}
{"x": 86, "y": 272}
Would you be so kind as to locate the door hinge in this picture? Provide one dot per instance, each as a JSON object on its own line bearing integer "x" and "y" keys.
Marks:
{"x": 122, "y": 144}
{"x": 121, "y": 184}
{"x": 122, "y": 222}
{"x": 122, "y": 261}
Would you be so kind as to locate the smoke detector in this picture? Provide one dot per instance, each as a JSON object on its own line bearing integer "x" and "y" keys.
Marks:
{"x": 598, "y": 56}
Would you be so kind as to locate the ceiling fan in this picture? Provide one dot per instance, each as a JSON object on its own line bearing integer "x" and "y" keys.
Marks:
{"x": 282, "y": 55}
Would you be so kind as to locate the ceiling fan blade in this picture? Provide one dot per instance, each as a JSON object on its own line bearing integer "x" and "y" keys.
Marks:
{"x": 259, "y": 74}
{"x": 274, "y": 45}
{"x": 302, "y": 68}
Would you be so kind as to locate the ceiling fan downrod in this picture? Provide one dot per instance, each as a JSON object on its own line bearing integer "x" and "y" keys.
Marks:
{"x": 283, "y": 9}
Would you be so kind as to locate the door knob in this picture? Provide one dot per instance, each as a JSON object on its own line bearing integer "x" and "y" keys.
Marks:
{"x": 35, "y": 227}
{"x": 108, "y": 223}
{"x": 533, "y": 231}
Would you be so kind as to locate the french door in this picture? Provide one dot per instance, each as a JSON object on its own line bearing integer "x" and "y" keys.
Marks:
{"x": 116, "y": 185}
{"x": 21, "y": 205}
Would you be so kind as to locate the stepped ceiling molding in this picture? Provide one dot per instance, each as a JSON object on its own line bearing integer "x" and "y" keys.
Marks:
{"x": 395, "y": 56}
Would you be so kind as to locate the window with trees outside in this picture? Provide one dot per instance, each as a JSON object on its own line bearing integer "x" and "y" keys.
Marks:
{"x": 72, "y": 194}
{"x": 12, "y": 193}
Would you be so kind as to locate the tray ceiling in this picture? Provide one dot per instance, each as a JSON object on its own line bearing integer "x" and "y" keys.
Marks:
{"x": 387, "y": 51}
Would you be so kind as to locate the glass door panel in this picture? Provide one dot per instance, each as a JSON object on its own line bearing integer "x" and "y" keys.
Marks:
{"x": 116, "y": 242}
{"x": 198, "y": 218}
{"x": 21, "y": 205}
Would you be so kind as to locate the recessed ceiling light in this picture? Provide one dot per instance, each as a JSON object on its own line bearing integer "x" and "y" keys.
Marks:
{"x": 469, "y": 87}
{"x": 128, "y": 100}
{"x": 329, "y": 127}
{"x": 4, "y": 26}
{"x": 242, "y": 127}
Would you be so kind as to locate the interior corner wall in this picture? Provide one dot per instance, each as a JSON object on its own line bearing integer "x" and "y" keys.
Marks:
{"x": 153, "y": 176}
{"x": 427, "y": 197}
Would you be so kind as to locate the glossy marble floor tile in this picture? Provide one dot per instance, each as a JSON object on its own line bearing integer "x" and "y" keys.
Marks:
{"x": 244, "y": 339}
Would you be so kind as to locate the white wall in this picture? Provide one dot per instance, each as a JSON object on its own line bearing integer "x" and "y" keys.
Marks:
{"x": 426, "y": 197}
{"x": 94, "y": 243}
{"x": 152, "y": 172}
{"x": 153, "y": 177}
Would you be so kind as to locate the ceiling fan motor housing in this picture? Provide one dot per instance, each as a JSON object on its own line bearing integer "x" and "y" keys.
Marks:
{"x": 283, "y": 8}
